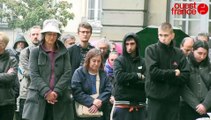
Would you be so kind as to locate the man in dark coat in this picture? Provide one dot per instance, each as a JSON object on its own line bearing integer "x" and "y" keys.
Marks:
{"x": 78, "y": 51}
{"x": 167, "y": 73}
{"x": 23, "y": 75}
{"x": 129, "y": 92}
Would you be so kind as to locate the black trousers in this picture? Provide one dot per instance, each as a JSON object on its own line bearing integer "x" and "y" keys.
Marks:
{"x": 48, "y": 112}
{"x": 21, "y": 105}
{"x": 7, "y": 112}
{"x": 161, "y": 110}
{"x": 125, "y": 114}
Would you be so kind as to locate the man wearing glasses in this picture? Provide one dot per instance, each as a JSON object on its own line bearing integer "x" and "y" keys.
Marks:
{"x": 78, "y": 51}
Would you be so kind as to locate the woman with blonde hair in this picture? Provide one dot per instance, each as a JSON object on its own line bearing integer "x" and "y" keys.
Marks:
{"x": 8, "y": 74}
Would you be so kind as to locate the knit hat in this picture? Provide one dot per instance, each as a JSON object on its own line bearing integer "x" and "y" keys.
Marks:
{"x": 51, "y": 25}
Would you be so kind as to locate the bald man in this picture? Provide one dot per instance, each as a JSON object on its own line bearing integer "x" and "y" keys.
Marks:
{"x": 186, "y": 45}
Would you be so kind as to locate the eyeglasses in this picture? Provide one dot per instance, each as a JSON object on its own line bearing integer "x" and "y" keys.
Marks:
{"x": 83, "y": 32}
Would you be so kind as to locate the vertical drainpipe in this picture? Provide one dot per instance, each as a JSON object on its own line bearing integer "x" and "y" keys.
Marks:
{"x": 146, "y": 13}
{"x": 168, "y": 10}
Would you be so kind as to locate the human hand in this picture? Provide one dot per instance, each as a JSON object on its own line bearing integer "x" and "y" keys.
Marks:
{"x": 112, "y": 99}
{"x": 177, "y": 72}
{"x": 52, "y": 97}
{"x": 93, "y": 109}
{"x": 97, "y": 102}
{"x": 201, "y": 109}
{"x": 10, "y": 70}
{"x": 141, "y": 76}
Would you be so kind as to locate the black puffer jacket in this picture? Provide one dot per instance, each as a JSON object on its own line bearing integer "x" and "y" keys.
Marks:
{"x": 129, "y": 87}
{"x": 7, "y": 80}
{"x": 161, "y": 82}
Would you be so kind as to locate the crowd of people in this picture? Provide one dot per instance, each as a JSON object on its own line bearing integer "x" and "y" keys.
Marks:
{"x": 56, "y": 77}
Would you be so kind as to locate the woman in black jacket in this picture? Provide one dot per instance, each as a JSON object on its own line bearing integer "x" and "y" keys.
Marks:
{"x": 8, "y": 72}
{"x": 197, "y": 93}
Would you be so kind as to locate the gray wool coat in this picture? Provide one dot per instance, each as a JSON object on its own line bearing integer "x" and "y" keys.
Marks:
{"x": 40, "y": 71}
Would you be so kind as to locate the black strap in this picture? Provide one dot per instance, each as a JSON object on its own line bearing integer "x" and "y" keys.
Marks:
{"x": 28, "y": 52}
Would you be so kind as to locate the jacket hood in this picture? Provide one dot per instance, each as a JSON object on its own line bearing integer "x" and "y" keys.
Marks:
{"x": 135, "y": 37}
{"x": 20, "y": 38}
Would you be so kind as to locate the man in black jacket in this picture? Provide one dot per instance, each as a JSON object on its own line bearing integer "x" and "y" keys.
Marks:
{"x": 167, "y": 73}
{"x": 78, "y": 51}
{"x": 129, "y": 92}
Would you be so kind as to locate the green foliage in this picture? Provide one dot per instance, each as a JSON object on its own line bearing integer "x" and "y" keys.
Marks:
{"x": 27, "y": 13}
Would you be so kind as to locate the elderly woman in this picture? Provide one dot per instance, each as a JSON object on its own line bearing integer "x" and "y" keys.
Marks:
{"x": 48, "y": 97}
{"x": 89, "y": 80}
{"x": 197, "y": 93}
{"x": 8, "y": 72}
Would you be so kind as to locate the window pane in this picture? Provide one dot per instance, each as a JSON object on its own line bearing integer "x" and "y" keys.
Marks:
{"x": 193, "y": 27}
{"x": 91, "y": 7}
{"x": 196, "y": 16}
{"x": 91, "y": 4}
{"x": 91, "y": 14}
{"x": 94, "y": 9}
{"x": 180, "y": 24}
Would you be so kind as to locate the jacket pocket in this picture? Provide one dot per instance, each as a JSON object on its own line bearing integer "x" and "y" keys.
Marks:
{"x": 42, "y": 59}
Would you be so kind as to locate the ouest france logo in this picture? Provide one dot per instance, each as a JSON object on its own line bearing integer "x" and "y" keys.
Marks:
{"x": 189, "y": 9}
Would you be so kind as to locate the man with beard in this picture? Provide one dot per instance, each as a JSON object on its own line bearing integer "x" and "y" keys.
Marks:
{"x": 20, "y": 44}
{"x": 129, "y": 74}
{"x": 23, "y": 72}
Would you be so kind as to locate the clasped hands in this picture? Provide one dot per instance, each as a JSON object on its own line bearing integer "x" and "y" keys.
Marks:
{"x": 97, "y": 103}
{"x": 51, "y": 97}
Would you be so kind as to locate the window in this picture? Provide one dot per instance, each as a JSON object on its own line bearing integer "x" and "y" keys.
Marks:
{"x": 94, "y": 10}
{"x": 192, "y": 24}
{"x": 94, "y": 14}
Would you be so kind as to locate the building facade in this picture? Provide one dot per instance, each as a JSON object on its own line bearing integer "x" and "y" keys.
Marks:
{"x": 112, "y": 19}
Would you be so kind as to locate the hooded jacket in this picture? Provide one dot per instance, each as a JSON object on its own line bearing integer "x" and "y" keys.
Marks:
{"x": 129, "y": 87}
{"x": 13, "y": 51}
{"x": 20, "y": 38}
{"x": 161, "y": 82}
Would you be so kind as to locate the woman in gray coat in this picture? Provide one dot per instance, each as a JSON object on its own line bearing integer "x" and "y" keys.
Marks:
{"x": 48, "y": 97}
